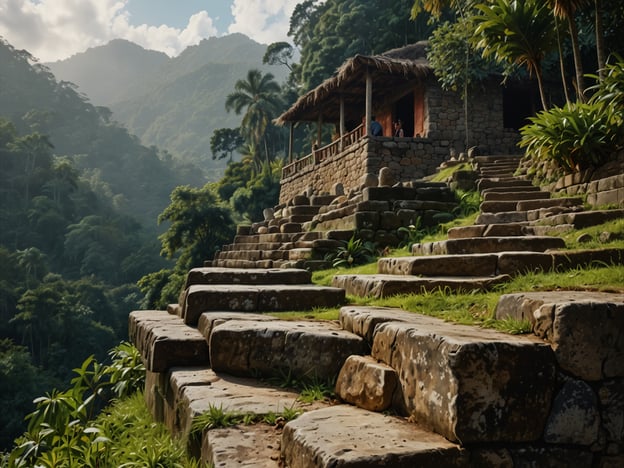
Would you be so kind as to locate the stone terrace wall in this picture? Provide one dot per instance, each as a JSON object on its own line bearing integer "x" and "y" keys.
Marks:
{"x": 412, "y": 158}
{"x": 604, "y": 186}
{"x": 407, "y": 158}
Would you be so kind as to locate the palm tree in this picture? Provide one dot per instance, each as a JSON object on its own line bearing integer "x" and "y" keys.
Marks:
{"x": 520, "y": 32}
{"x": 33, "y": 261}
{"x": 258, "y": 96}
{"x": 565, "y": 9}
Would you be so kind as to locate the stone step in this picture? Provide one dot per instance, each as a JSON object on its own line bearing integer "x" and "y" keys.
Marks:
{"x": 476, "y": 245}
{"x": 345, "y": 436}
{"x": 498, "y": 206}
{"x": 583, "y": 219}
{"x": 253, "y": 255}
{"x": 498, "y": 170}
{"x": 528, "y": 205}
{"x": 300, "y": 210}
{"x": 440, "y": 265}
{"x": 295, "y": 226}
{"x": 165, "y": 341}
{"x": 527, "y": 188}
{"x": 436, "y": 192}
{"x": 575, "y": 322}
{"x": 502, "y": 263}
{"x": 507, "y": 183}
{"x": 248, "y": 264}
{"x": 488, "y": 230}
{"x": 467, "y": 384}
{"x": 503, "y": 217}
{"x": 507, "y": 172}
{"x": 497, "y": 159}
{"x": 278, "y": 348}
{"x": 378, "y": 286}
{"x": 185, "y": 393}
{"x": 251, "y": 246}
{"x": 200, "y": 298}
{"x": 515, "y": 196}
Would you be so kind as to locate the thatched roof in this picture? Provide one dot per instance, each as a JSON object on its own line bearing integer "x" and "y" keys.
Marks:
{"x": 393, "y": 73}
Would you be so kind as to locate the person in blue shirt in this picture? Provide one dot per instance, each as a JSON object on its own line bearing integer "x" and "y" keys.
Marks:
{"x": 375, "y": 127}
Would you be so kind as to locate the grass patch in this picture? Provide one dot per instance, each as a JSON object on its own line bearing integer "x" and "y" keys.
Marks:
{"x": 615, "y": 229}
{"x": 446, "y": 173}
{"x": 478, "y": 308}
{"x": 123, "y": 421}
{"x": 217, "y": 416}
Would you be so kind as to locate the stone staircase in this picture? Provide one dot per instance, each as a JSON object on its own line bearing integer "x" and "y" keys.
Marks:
{"x": 300, "y": 234}
{"x": 409, "y": 390}
{"x": 509, "y": 237}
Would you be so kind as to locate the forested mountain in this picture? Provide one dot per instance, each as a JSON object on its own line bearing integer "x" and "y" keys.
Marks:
{"x": 79, "y": 199}
{"x": 175, "y": 104}
{"x": 105, "y": 73}
{"x": 136, "y": 178}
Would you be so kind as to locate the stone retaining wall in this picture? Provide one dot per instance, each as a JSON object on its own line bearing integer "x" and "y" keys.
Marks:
{"x": 603, "y": 187}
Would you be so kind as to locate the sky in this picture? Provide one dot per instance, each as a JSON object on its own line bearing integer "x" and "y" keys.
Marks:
{"x": 56, "y": 29}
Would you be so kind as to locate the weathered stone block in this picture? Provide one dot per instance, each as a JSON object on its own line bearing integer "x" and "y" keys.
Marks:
{"x": 209, "y": 320}
{"x": 303, "y": 350}
{"x": 611, "y": 395}
{"x": 389, "y": 221}
{"x": 570, "y": 259}
{"x": 476, "y": 230}
{"x": 362, "y": 320}
{"x": 505, "y": 230}
{"x": 390, "y": 285}
{"x": 345, "y": 436}
{"x": 574, "y": 417}
{"x": 203, "y": 298}
{"x": 515, "y": 263}
{"x": 532, "y": 456}
{"x": 164, "y": 340}
{"x": 245, "y": 276}
{"x": 470, "y": 385}
{"x": 501, "y": 218}
{"x": 193, "y": 391}
{"x": 366, "y": 220}
{"x": 440, "y": 265}
{"x": 587, "y": 337}
{"x": 366, "y": 383}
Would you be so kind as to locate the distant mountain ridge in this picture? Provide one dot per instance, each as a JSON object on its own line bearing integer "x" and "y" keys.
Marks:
{"x": 103, "y": 73}
{"x": 173, "y": 103}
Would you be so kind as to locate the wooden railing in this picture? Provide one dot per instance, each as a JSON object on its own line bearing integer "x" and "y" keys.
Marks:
{"x": 325, "y": 152}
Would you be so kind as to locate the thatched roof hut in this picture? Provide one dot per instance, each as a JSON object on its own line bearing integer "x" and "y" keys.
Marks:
{"x": 392, "y": 74}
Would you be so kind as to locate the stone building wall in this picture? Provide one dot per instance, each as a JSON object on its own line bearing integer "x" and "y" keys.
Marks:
{"x": 412, "y": 158}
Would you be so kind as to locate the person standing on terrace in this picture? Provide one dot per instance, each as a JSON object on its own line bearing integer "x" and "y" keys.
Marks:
{"x": 375, "y": 127}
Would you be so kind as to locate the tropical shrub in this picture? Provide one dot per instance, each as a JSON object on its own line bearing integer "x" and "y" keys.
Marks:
{"x": 354, "y": 252}
{"x": 579, "y": 136}
{"x": 62, "y": 431}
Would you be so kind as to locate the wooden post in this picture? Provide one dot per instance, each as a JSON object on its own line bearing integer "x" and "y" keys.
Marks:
{"x": 319, "y": 126}
{"x": 369, "y": 102}
{"x": 342, "y": 121}
{"x": 291, "y": 132}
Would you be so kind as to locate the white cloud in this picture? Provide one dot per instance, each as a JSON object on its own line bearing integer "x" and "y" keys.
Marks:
{"x": 55, "y": 29}
{"x": 265, "y": 21}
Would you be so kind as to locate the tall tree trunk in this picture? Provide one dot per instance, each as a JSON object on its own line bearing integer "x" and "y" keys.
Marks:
{"x": 561, "y": 66}
{"x": 540, "y": 84}
{"x": 578, "y": 65}
{"x": 600, "y": 49}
